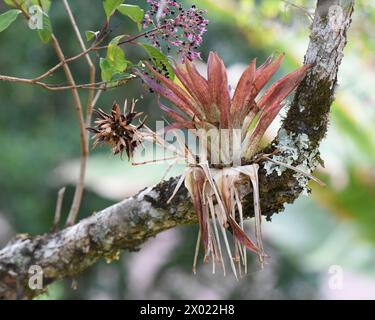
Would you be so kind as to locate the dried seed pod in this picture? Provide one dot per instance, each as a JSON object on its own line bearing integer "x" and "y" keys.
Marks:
{"x": 117, "y": 130}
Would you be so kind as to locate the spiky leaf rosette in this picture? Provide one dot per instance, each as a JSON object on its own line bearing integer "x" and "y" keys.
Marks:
{"x": 117, "y": 130}
{"x": 206, "y": 104}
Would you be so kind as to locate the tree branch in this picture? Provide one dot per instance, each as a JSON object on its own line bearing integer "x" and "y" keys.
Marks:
{"x": 125, "y": 225}
{"x": 130, "y": 223}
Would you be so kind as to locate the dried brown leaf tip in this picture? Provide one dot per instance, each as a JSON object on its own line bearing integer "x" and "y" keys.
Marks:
{"x": 117, "y": 130}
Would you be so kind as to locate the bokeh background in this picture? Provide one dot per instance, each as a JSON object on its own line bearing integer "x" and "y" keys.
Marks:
{"x": 330, "y": 233}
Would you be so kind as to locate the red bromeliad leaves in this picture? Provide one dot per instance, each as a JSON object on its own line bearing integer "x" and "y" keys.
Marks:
{"x": 199, "y": 85}
{"x": 168, "y": 94}
{"x": 281, "y": 89}
{"x": 271, "y": 103}
{"x": 265, "y": 72}
{"x": 263, "y": 123}
{"x": 171, "y": 113}
{"x": 208, "y": 101}
{"x": 177, "y": 90}
{"x": 261, "y": 77}
{"x": 244, "y": 89}
{"x": 218, "y": 87}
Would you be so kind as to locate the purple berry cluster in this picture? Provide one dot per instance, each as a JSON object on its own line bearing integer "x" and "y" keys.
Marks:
{"x": 176, "y": 27}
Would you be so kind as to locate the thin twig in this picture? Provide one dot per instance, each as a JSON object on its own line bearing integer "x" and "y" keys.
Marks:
{"x": 83, "y": 135}
{"x": 153, "y": 161}
{"x": 131, "y": 39}
{"x": 94, "y": 47}
{"x": 63, "y": 62}
{"x": 93, "y": 104}
{"x": 57, "y": 218}
{"x": 101, "y": 85}
{"x": 91, "y": 65}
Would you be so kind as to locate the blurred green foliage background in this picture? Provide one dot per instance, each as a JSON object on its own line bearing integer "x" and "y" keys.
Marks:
{"x": 333, "y": 228}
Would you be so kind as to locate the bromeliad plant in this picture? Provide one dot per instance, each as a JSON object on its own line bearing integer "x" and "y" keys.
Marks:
{"x": 229, "y": 129}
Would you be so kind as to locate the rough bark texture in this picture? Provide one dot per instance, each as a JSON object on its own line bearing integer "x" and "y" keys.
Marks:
{"x": 128, "y": 224}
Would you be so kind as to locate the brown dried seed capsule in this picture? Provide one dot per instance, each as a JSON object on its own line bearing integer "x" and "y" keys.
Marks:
{"x": 117, "y": 130}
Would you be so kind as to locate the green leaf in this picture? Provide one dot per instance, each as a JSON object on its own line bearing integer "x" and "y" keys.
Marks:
{"x": 115, "y": 41}
{"x": 44, "y": 4}
{"x": 116, "y": 55}
{"x": 111, "y": 76}
{"x": 133, "y": 12}
{"x": 117, "y": 58}
{"x": 110, "y": 6}
{"x": 115, "y": 61}
{"x": 9, "y": 3}
{"x": 45, "y": 33}
{"x": 7, "y": 18}
{"x": 114, "y": 64}
{"x": 106, "y": 68}
{"x": 91, "y": 34}
{"x": 159, "y": 59}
